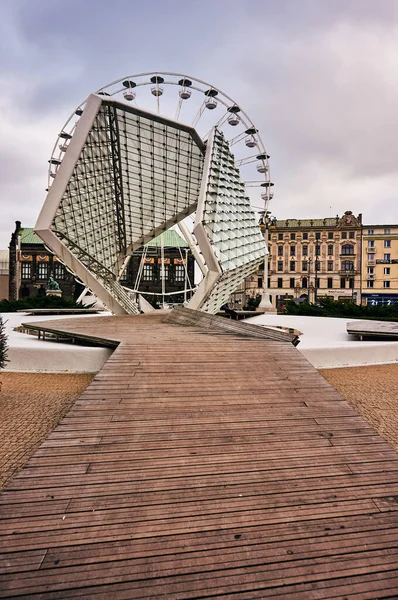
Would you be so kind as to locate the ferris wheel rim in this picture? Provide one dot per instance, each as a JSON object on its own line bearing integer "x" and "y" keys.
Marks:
{"x": 155, "y": 74}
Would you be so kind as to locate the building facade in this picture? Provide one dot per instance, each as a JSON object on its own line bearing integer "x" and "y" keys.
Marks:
{"x": 31, "y": 264}
{"x": 380, "y": 265}
{"x": 314, "y": 258}
{"x": 4, "y": 270}
{"x": 310, "y": 259}
{"x": 163, "y": 270}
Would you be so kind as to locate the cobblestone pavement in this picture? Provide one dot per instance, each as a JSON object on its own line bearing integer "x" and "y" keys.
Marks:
{"x": 373, "y": 392}
{"x": 31, "y": 405}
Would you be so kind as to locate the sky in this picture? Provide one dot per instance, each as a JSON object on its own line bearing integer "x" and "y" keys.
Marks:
{"x": 318, "y": 77}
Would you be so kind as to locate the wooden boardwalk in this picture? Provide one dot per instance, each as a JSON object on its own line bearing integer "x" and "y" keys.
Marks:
{"x": 369, "y": 329}
{"x": 202, "y": 465}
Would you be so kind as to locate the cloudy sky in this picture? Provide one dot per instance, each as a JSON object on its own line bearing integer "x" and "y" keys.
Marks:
{"x": 318, "y": 77}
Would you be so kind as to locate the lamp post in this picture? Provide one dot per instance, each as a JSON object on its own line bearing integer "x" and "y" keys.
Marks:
{"x": 309, "y": 279}
{"x": 316, "y": 278}
{"x": 265, "y": 304}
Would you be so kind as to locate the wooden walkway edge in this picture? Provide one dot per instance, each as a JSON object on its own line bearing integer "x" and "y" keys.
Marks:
{"x": 199, "y": 464}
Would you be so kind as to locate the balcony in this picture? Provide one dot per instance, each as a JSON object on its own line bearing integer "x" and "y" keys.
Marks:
{"x": 348, "y": 273}
{"x": 371, "y": 250}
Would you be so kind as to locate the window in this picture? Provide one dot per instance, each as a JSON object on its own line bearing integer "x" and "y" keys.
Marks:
{"x": 351, "y": 283}
{"x": 387, "y": 270}
{"x": 344, "y": 235}
{"x": 352, "y": 235}
{"x": 317, "y": 250}
{"x": 371, "y": 243}
{"x": 26, "y": 270}
{"x": 347, "y": 265}
{"x": 292, "y": 250}
{"x": 386, "y": 284}
{"x": 292, "y": 282}
{"x": 280, "y": 250}
{"x": 260, "y": 282}
{"x": 304, "y": 265}
{"x": 179, "y": 273}
{"x": 280, "y": 236}
{"x": 317, "y": 235}
{"x": 280, "y": 282}
{"x": 292, "y": 265}
{"x": 147, "y": 273}
{"x": 387, "y": 243}
{"x": 370, "y": 283}
{"x": 304, "y": 282}
{"x": 292, "y": 236}
{"x": 305, "y": 250}
{"x": 59, "y": 271}
{"x": 371, "y": 231}
{"x": 280, "y": 265}
{"x": 42, "y": 270}
{"x": 330, "y": 249}
{"x": 387, "y": 231}
{"x": 317, "y": 265}
{"x": 342, "y": 282}
{"x": 317, "y": 283}
{"x": 330, "y": 282}
{"x": 330, "y": 235}
{"x": 371, "y": 270}
{"x": 164, "y": 272}
{"x": 347, "y": 249}
{"x": 330, "y": 265}
{"x": 305, "y": 235}
{"x": 387, "y": 257}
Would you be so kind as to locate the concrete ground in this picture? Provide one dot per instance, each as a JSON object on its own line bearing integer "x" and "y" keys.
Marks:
{"x": 28, "y": 353}
{"x": 326, "y": 344}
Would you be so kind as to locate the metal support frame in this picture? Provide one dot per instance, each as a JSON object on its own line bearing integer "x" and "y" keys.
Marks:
{"x": 117, "y": 178}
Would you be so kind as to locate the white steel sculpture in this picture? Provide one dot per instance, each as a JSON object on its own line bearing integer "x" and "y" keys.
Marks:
{"x": 120, "y": 175}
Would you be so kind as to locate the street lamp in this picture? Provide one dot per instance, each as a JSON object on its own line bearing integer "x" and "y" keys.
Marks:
{"x": 265, "y": 303}
{"x": 309, "y": 279}
{"x": 316, "y": 278}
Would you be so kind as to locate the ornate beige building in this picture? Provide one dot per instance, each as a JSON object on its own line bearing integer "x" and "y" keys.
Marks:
{"x": 310, "y": 258}
{"x": 313, "y": 258}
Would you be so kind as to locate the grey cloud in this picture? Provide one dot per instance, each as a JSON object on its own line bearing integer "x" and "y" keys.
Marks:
{"x": 320, "y": 78}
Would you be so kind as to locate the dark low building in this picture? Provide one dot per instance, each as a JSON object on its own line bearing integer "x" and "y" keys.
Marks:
{"x": 31, "y": 265}
{"x": 144, "y": 271}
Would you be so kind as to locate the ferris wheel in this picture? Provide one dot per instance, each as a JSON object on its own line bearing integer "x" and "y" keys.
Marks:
{"x": 195, "y": 103}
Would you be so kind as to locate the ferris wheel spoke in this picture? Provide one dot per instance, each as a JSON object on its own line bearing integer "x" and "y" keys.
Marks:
{"x": 199, "y": 114}
{"x": 179, "y": 105}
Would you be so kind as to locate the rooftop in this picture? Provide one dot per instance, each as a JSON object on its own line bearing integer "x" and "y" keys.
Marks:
{"x": 309, "y": 223}
{"x": 28, "y": 236}
{"x": 169, "y": 239}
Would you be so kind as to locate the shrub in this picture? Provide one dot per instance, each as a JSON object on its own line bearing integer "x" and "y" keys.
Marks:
{"x": 38, "y": 302}
{"x": 253, "y": 302}
{"x": 327, "y": 307}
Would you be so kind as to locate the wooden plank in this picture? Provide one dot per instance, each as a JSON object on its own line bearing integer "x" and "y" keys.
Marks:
{"x": 379, "y": 329}
{"x": 199, "y": 465}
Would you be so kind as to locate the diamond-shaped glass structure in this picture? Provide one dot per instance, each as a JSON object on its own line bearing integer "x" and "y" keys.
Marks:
{"x": 126, "y": 176}
{"x": 225, "y": 218}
